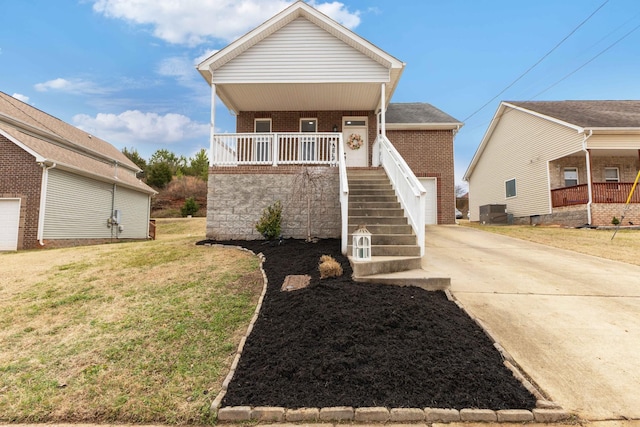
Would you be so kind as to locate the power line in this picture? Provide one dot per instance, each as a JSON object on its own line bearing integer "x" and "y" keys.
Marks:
{"x": 536, "y": 64}
{"x": 589, "y": 61}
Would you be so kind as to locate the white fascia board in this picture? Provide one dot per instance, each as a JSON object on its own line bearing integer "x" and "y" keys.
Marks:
{"x": 298, "y": 9}
{"x": 613, "y": 130}
{"x": 577, "y": 128}
{"x": 39, "y": 158}
{"x": 494, "y": 122}
{"x": 423, "y": 126}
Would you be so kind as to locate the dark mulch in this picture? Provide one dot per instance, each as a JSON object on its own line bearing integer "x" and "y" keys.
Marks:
{"x": 341, "y": 343}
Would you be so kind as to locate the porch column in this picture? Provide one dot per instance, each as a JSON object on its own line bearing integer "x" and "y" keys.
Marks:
{"x": 589, "y": 184}
{"x": 213, "y": 122}
{"x": 383, "y": 110}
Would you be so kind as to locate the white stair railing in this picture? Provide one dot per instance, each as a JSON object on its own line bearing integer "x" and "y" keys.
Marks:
{"x": 344, "y": 195}
{"x": 408, "y": 188}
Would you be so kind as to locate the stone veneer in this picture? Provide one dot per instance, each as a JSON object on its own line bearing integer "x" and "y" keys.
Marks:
{"x": 238, "y": 195}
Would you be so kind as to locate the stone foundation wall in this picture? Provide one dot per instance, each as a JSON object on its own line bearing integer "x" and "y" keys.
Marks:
{"x": 238, "y": 195}
{"x": 575, "y": 216}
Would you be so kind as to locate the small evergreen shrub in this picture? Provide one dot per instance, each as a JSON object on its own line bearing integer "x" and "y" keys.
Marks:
{"x": 615, "y": 221}
{"x": 190, "y": 207}
{"x": 271, "y": 221}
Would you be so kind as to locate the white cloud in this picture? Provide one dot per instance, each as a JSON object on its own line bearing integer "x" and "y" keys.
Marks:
{"x": 194, "y": 22}
{"x": 21, "y": 97}
{"x": 74, "y": 86}
{"x": 134, "y": 126}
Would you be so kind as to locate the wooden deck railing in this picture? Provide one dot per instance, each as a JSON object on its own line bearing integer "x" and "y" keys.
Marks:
{"x": 603, "y": 192}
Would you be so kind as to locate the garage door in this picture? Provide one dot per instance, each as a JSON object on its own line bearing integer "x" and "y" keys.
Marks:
{"x": 431, "y": 214}
{"x": 10, "y": 220}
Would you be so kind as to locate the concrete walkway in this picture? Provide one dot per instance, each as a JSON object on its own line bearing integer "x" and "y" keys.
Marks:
{"x": 571, "y": 321}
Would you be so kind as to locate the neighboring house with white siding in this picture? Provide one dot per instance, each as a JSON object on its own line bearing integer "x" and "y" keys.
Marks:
{"x": 60, "y": 186}
{"x": 309, "y": 94}
{"x": 559, "y": 162}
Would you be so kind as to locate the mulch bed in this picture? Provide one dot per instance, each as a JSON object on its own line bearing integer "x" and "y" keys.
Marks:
{"x": 342, "y": 343}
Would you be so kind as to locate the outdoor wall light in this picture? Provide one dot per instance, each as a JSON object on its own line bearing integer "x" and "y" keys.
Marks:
{"x": 362, "y": 244}
{"x": 335, "y": 128}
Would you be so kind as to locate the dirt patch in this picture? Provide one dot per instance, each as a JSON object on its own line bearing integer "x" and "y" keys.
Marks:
{"x": 341, "y": 343}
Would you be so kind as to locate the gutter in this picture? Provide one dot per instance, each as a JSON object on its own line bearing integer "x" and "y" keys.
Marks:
{"x": 46, "y": 165}
{"x": 589, "y": 183}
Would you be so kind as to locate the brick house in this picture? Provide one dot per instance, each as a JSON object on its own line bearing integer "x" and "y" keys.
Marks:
{"x": 559, "y": 162}
{"x": 311, "y": 100}
{"x": 60, "y": 186}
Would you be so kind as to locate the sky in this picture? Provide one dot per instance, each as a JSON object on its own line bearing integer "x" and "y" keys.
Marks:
{"x": 124, "y": 70}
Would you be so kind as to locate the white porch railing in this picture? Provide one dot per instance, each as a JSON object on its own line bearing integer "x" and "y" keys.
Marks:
{"x": 409, "y": 190}
{"x": 305, "y": 148}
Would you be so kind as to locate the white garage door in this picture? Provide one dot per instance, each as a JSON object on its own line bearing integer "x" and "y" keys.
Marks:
{"x": 9, "y": 223}
{"x": 431, "y": 214}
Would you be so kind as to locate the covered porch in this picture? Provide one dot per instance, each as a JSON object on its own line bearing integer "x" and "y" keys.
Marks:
{"x": 598, "y": 182}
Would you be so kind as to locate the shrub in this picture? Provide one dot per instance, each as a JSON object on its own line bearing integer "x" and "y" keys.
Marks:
{"x": 615, "y": 221}
{"x": 190, "y": 207}
{"x": 271, "y": 221}
{"x": 329, "y": 267}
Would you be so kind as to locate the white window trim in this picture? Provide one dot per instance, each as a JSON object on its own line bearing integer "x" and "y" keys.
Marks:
{"x": 515, "y": 188}
{"x": 266, "y": 119}
{"x": 564, "y": 177}
{"x": 617, "y": 174}
{"x": 308, "y": 118}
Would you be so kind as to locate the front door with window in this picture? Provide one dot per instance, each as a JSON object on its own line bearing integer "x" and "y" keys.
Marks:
{"x": 354, "y": 134}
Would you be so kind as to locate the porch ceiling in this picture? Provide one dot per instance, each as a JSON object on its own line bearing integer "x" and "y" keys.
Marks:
{"x": 299, "y": 96}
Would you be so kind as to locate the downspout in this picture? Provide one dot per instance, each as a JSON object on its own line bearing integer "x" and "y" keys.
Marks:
{"x": 589, "y": 184}
{"x": 43, "y": 199}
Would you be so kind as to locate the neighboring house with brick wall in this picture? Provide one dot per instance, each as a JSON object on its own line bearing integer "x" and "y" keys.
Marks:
{"x": 559, "y": 162}
{"x": 60, "y": 186}
{"x": 312, "y": 98}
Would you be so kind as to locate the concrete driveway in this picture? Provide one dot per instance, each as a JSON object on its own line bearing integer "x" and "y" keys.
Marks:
{"x": 571, "y": 321}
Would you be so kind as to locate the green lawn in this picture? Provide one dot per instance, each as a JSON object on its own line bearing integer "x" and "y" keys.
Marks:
{"x": 132, "y": 332}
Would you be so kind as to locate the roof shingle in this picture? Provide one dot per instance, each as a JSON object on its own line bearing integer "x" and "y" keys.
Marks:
{"x": 588, "y": 114}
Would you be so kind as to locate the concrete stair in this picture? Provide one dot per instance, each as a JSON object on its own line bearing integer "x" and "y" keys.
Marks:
{"x": 395, "y": 253}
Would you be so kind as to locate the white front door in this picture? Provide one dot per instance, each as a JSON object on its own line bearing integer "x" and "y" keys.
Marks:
{"x": 10, "y": 220}
{"x": 354, "y": 134}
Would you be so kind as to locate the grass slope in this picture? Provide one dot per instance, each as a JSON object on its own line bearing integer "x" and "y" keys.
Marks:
{"x": 134, "y": 332}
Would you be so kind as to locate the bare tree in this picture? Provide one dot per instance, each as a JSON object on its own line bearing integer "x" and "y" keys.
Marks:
{"x": 309, "y": 182}
{"x": 460, "y": 190}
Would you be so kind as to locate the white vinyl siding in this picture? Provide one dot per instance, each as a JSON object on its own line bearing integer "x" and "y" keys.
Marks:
{"x": 10, "y": 220}
{"x": 614, "y": 141}
{"x": 78, "y": 208}
{"x": 520, "y": 147}
{"x": 135, "y": 213}
{"x": 301, "y": 52}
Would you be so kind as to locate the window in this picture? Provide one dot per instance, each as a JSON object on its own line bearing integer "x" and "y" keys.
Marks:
{"x": 308, "y": 143}
{"x": 262, "y": 142}
{"x": 510, "y": 188}
{"x": 570, "y": 177}
{"x": 611, "y": 175}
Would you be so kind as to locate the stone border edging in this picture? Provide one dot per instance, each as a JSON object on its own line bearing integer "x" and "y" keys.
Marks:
{"x": 545, "y": 411}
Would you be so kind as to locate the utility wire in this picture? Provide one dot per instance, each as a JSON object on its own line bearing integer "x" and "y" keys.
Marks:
{"x": 588, "y": 62}
{"x": 538, "y": 62}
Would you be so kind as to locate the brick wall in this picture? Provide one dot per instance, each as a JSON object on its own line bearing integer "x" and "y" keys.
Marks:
{"x": 238, "y": 195}
{"x": 603, "y": 213}
{"x": 21, "y": 177}
{"x": 429, "y": 153}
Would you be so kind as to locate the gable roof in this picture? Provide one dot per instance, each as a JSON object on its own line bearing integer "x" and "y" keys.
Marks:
{"x": 588, "y": 114}
{"x": 51, "y": 140}
{"x": 244, "y": 85}
{"x": 412, "y": 115}
{"x": 608, "y": 116}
